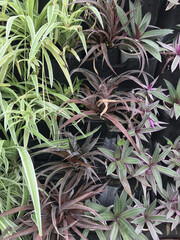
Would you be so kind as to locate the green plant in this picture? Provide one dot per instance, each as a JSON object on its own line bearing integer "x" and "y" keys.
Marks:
{"x": 120, "y": 216}
{"x": 140, "y": 36}
{"x": 119, "y": 161}
{"x": 174, "y": 158}
{"x": 151, "y": 168}
{"x": 150, "y": 218}
{"x": 171, "y": 101}
{"x": 170, "y": 205}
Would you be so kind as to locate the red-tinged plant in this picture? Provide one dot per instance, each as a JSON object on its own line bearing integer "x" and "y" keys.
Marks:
{"x": 79, "y": 158}
{"x": 150, "y": 218}
{"x": 63, "y": 210}
{"x": 100, "y": 38}
{"x": 106, "y": 101}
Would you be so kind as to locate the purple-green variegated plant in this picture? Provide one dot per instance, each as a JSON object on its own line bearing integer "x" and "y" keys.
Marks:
{"x": 170, "y": 205}
{"x": 119, "y": 161}
{"x": 171, "y": 100}
{"x": 174, "y": 158}
{"x": 172, "y": 53}
{"x": 120, "y": 216}
{"x": 149, "y": 219}
{"x": 152, "y": 169}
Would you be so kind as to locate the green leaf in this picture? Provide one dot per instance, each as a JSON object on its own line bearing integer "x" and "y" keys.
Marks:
{"x": 111, "y": 168}
{"x": 49, "y": 66}
{"x": 131, "y": 160}
{"x": 152, "y": 48}
{"x": 162, "y": 97}
{"x": 132, "y": 212}
{"x": 128, "y": 228}
{"x": 156, "y": 33}
{"x": 114, "y": 231}
{"x": 30, "y": 177}
{"x": 56, "y": 53}
{"x": 171, "y": 89}
{"x": 141, "y": 170}
{"x": 167, "y": 171}
{"x": 98, "y": 15}
{"x": 155, "y": 156}
{"x": 100, "y": 235}
{"x": 109, "y": 154}
{"x": 157, "y": 177}
{"x": 123, "y": 18}
{"x": 177, "y": 110}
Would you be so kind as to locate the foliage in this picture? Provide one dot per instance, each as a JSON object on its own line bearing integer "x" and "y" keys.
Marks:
{"x": 172, "y": 52}
{"x": 171, "y": 101}
{"x": 80, "y": 158}
{"x": 120, "y": 216}
{"x": 63, "y": 211}
{"x": 102, "y": 37}
{"x": 140, "y": 36}
{"x": 150, "y": 218}
{"x": 120, "y": 162}
{"x": 107, "y": 103}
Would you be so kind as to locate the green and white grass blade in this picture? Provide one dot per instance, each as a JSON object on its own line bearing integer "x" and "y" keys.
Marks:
{"x": 177, "y": 110}
{"x": 49, "y": 66}
{"x": 30, "y": 7}
{"x": 114, "y": 231}
{"x": 30, "y": 177}
{"x": 96, "y": 12}
{"x": 56, "y": 53}
{"x": 100, "y": 235}
{"x": 5, "y": 223}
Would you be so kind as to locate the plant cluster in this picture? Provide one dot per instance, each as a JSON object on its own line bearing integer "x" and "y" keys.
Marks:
{"x": 44, "y": 120}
